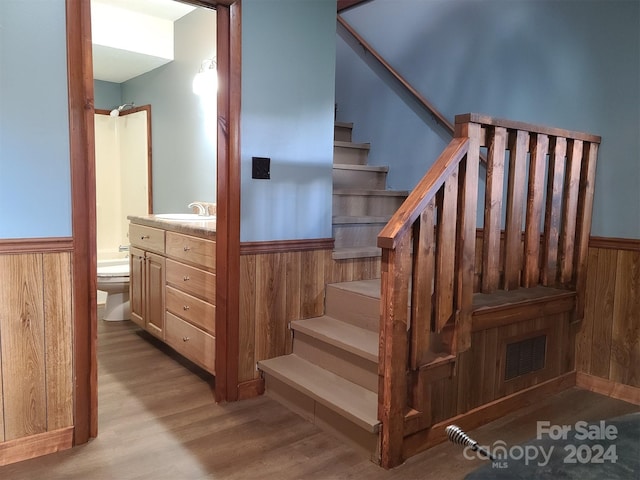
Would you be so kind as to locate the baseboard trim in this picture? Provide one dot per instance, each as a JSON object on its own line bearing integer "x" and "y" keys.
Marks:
{"x": 250, "y": 389}
{"x": 603, "y": 386}
{"x": 484, "y": 414}
{"x": 34, "y": 446}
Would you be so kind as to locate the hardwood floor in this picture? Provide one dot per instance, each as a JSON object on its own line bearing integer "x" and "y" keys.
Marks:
{"x": 158, "y": 420}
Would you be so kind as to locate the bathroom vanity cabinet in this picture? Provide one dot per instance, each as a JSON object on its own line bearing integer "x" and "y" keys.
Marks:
{"x": 173, "y": 285}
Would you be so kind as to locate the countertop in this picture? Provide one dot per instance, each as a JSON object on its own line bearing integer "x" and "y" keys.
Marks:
{"x": 205, "y": 229}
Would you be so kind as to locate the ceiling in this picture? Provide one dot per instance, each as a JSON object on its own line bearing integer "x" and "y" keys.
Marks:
{"x": 117, "y": 64}
{"x": 120, "y": 63}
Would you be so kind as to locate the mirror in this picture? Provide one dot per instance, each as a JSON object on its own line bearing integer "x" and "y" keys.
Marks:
{"x": 184, "y": 126}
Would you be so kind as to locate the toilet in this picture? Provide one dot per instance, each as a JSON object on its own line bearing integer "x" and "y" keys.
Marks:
{"x": 113, "y": 278}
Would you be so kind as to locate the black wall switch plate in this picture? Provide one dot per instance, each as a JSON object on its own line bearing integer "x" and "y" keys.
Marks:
{"x": 261, "y": 168}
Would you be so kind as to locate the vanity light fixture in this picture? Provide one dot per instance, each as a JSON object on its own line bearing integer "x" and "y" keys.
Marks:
{"x": 206, "y": 80}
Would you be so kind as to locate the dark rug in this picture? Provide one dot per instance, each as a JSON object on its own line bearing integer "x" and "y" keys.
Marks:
{"x": 590, "y": 451}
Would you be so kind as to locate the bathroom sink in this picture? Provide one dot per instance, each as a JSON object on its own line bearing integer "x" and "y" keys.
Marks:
{"x": 186, "y": 217}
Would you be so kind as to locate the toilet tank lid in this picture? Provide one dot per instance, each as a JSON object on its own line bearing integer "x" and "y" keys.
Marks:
{"x": 114, "y": 270}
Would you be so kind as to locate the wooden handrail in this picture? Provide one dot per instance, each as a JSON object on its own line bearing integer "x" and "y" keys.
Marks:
{"x": 439, "y": 117}
{"x": 529, "y": 127}
{"x": 417, "y": 200}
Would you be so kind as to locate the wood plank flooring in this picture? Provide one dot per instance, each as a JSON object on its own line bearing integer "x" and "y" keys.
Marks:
{"x": 158, "y": 420}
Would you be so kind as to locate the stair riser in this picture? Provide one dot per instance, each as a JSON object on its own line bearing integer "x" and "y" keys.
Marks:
{"x": 365, "y": 205}
{"x": 350, "y": 156}
{"x": 342, "y": 134}
{"x": 323, "y": 417}
{"x": 356, "y": 235}
{"x": 354, "y": 308}
{"x": 359, "y": 179}
{"x": 354, "y": 368}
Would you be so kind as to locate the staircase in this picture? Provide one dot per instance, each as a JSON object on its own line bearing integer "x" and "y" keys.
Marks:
{"x": 362, "y": 205}
{"x": 331, "y": 378}
{"x": 378, "y": 368}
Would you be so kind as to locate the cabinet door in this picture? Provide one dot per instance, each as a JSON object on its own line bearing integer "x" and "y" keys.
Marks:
{"x": 137, "y": 285}
{"x": 155, "y": 294}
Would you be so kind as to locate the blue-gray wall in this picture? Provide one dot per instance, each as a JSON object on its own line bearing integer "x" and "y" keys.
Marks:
{"x": 288, "y": 74}
{"x": 569, "y": 64}
{"x": 35, "y": 186}
{"x": 183, "y": 132}
{"x": 107, "y": 95}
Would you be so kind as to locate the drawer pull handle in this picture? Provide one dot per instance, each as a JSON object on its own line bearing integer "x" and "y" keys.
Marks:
{"x": 185, "y": 339}
{"x": 185, "y": 307}
{"x": 186, "y": 278}
{"x": 144, "y": 237}
{"x": 186, "y": 249}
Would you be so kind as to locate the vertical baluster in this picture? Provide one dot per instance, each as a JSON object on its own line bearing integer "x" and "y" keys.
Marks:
{"x": 515, "y": 207}
{"x": 571, "y": 187}
{"x": 446, "y": 252}
{"x": 392, "y": 367}
{"x": 553, "y": 210}
{"x": 422, "y": 286}
{"x": 534, "y": 210}
{"x": 493, "y": 211}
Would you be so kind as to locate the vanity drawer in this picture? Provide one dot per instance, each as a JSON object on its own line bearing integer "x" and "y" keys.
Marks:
{"x": 192, "y": 280}
{"x": 201, "y": 314}
{"x": 190, "y": 342}
{"x": 147, "y": 238}
{"x": 192, "y": 249}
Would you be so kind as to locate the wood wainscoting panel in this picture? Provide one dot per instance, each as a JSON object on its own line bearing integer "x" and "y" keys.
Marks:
{"x": 36, "y": 351}
{"x": 608, "y": 339}
{"x": 271, "y": 306}
{"x": 22, "y": 347}
{"x": 1, "y": 403}
{"x": 281, "y": 282}
{"x": 58, "y": 340}
{"x": 625, "y": 334}
{"x": 603, "y": 310}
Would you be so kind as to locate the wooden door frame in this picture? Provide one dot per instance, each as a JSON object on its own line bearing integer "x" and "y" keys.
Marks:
{"x": 83, "y": 209}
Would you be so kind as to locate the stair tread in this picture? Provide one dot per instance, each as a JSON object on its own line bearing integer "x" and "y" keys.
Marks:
{"x": 370, "y": 191}
{"x": 360, "y": 168}
{"x": 340, "y": 334}
{"x": 345, "y": 219}
{"x": 344, "y": 124}
{"x": 363, "y": 146}
{"x": 368, "y": 288}
{"x": 352, "y": 401}
{"x": 356, "y": 252}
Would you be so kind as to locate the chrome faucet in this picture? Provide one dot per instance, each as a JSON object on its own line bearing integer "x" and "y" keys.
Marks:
{"x": 202, "y": 211}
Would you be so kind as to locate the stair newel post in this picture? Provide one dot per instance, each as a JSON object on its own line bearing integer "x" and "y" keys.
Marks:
{"x": 392, "y": 369}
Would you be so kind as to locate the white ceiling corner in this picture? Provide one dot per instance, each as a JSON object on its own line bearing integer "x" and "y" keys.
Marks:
{"x": 115, "y": 60}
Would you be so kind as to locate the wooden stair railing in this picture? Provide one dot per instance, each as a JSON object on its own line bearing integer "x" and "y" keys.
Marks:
{"x": 429, "y": 267}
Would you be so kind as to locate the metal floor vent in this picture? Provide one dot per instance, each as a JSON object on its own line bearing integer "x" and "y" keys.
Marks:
{"x": 525, "y": 356}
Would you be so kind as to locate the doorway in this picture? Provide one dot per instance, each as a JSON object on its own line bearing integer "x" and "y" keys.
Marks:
{"x": 82, "y": 153}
